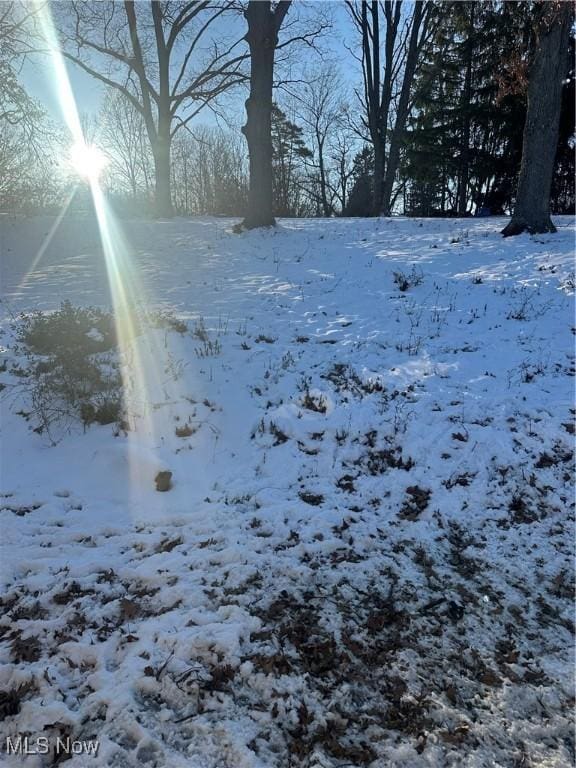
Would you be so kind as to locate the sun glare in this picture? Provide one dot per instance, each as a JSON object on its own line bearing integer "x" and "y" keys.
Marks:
{"x": 139, "y": 353}
{"x": 88, "y": 161}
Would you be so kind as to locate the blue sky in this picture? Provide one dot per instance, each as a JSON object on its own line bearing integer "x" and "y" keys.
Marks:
{"x": 36, "y": 76}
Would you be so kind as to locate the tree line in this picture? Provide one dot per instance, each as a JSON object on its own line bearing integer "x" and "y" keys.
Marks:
{"x": 452, "y": 108}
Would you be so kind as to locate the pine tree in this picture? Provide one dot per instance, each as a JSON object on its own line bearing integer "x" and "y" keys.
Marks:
{"x": 562, "y": 194}
{"x": 463, "y": 148}
{"x": 288, "y": 153}
{"x": 360, "y": 199}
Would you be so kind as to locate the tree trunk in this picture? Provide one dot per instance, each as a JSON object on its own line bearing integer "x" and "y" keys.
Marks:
{"x": 391, "y": 168}
{"x": 323, "y": 186}
{"x": 532, "y": 208}
{"x": 418, "y": 27}
{"x": 159, "y": 137}
{"x": 163, "y": 139}
{"x": 377, "y": 102}
{"x": 464, "y": 175}
{"x": 163, "y": 196}
{"x": 379, "y": 164}
{"x": 262, "y": 37}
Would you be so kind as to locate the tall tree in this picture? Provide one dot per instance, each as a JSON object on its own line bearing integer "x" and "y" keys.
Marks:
{"x": 25, "y": 139}
{"x": 342, "y": 157}
{"x": 289, "y": 150}
{"x": 463, "y": 146}
{"x": 122, "y": 134}
{"x": 462, "y": 203}
{"x": 264, "y": 22}
{"x": 162, "y": 57}
{"x": 546, "y": 77}
{"x": 387, "y": 84}
{"x": 16, "y": 106}
{"x": 319, "y": 111}
{"x": 563, "y": 192}
{"x": 417, "y": 34}
{"x": 360, "y": 199}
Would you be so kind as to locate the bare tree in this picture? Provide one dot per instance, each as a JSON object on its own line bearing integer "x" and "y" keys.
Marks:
{"x": 546, "y": 77}
{"x": 123, "y": 135}
{"x": 16, "y": 19}
{"x": 342, "y": 156}
{"x": 387, "y": 84}
{"x": 264, "y": 22}
{"x": 210, "y": 174}
{"x": 25, "y": 145}
{"x": 319, "y": 111}
{"x": 265, "y": 19}
{"x": 417, "y": 33}
{"x": 162, "y": 57}
{"x": 16, "y": 106}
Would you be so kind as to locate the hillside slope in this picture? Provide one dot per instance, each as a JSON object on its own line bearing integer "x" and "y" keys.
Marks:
{"x": 365, "y": 557}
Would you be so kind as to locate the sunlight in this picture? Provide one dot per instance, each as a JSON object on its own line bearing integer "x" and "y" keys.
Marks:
{"x": 60, "y": 79}
{"x": 139, "y": 379}
{"x": 88, "y": 160}
{"x": 67, "y": 103}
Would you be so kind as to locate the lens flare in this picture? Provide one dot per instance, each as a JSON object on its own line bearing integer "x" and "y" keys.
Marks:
{"x": 142, "y": 359}
{"x": 88, "y": 160}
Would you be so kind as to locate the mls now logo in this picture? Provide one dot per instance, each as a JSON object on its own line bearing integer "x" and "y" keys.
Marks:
{"x": 42, "y": 745}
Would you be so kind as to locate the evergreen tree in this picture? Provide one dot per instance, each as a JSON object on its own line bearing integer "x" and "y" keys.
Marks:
{"x": 464, "y": 145}
{"x": 289, "y": 151}
{"x": 562, "y": 194}
{"x": 360, "y": 199}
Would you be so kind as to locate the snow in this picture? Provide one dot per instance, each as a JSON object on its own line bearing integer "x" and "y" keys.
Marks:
{"x": 365, "y": 557}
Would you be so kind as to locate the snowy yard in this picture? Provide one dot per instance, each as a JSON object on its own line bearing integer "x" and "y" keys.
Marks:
{"x": 365, "y": 554}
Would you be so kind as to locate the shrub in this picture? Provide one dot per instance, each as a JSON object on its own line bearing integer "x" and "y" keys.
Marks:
{"x": 73, "y": 371}
{"x": 68, "y": 330}
{"x": 406, "y": 281}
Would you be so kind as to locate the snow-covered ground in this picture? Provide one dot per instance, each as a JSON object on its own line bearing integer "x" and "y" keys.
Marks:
{"x": 365, "y": 557}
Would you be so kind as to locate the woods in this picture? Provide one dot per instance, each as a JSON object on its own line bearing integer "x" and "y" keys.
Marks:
{"x": 428, "y": 111}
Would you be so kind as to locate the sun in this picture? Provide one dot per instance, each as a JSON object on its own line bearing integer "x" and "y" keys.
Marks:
{"x": 88, "y": 160}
